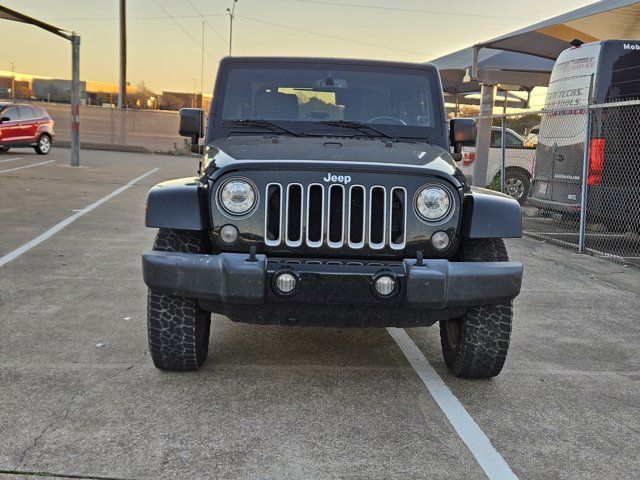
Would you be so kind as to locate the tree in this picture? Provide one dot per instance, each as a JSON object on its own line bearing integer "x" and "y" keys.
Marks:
{"x": 141, "y": 95}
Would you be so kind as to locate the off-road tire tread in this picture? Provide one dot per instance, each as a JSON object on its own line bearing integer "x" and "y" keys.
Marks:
{"x": 178, "y": 330}
{"x": 484, "y": 331}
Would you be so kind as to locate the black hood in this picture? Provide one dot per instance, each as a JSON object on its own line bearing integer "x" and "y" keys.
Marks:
{"x": 360, "y": 150}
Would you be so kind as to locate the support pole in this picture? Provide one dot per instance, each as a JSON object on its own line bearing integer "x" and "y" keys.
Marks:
{"x": 585, "y": 171}
{"x": 122, "y": 91}
{"x": 584, "y": 187}
{"x": 231, "y": 11}
{"x": 13, "y": 82}
{"x": 503, "y": 153}
{"x": 483, "y": 141}
{"x": 75, "y": 100}
{"x": 202, "y": 65}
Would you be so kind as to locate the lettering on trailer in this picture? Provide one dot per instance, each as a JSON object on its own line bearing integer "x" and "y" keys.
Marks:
{"x": 631, "y": 46}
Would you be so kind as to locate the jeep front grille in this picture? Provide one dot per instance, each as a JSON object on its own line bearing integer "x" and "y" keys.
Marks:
{"x": 335, "y": 216}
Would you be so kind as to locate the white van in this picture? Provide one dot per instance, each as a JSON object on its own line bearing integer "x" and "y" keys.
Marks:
{"x": 610, "y": 70}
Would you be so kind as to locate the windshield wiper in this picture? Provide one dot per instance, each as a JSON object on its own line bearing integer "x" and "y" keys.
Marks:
{"x": 272, "y": 126}
{"x": 362, "y": 127}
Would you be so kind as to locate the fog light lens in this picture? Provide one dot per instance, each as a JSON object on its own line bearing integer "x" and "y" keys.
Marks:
{"x": 385, "y": 285}
{"x": 286, "y": 282}
{"x": 229, "y": 234}
{"x": 440, "y": 240}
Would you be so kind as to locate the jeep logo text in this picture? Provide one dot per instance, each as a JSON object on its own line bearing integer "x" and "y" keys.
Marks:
{"x": 337, "y": 178}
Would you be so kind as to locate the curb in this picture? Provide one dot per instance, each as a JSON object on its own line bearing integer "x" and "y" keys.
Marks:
{"x": 104, "y": 146}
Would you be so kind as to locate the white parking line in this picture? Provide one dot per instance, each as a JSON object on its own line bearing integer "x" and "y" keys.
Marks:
{"x": 487, "y": 456}
{"x": 67, "y": 221}
{"x": 11, "y": 159}
{"x": 26, "y": 166}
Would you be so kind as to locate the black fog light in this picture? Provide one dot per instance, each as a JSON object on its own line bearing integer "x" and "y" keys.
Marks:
{"x": 285, "y": 282}
{"x": 229, "y": 234}
{"x": 385, "y": 285}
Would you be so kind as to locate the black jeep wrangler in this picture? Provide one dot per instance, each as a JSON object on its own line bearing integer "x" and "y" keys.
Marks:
{"x": 327, "y": 196}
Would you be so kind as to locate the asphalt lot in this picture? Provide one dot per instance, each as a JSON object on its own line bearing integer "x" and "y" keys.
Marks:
{"x": 274, "y": 402}
{"x": 600, "y": 241}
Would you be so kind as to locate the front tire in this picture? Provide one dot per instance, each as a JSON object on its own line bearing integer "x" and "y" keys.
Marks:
{"x": 178, "y": 329}
{"x": 476, "y": 344}
{"x": 43, "y": 147}
{"x": 4, "y": 149}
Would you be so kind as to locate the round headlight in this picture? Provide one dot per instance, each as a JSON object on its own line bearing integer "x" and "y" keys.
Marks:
{"x": 433, "y": 203}
{"x": 237, "y": 196}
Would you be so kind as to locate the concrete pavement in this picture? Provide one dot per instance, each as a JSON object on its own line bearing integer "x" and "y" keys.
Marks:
{"x": 275, "y": 402}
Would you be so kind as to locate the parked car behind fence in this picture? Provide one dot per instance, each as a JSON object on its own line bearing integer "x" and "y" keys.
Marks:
{"x": 518, "y": 163}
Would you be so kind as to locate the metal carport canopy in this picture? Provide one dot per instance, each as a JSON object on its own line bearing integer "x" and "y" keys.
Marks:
{"x": 606, "y": 20}
{"x": 497, "y": 69}
{"x": 8, "y": 14}
{"x": 519, "y": 71}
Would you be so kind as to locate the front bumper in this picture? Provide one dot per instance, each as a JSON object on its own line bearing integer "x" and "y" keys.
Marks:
{"x": 231, "y": 278}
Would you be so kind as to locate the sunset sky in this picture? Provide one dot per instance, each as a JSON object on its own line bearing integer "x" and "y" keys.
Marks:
{"x": 164, "y": 35}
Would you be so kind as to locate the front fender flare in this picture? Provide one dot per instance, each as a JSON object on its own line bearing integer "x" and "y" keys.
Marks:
{"x": 177, "y": 204}
{"x": 490, "y": 214}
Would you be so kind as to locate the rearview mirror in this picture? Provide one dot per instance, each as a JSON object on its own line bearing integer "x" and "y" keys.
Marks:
{"x": 192, "y": 126}
{"x": 5, "y": 119}
{"x": 462, "y": 132}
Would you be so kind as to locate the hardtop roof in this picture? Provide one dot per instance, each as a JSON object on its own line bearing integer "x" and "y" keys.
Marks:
{"x": 329, "y": 60}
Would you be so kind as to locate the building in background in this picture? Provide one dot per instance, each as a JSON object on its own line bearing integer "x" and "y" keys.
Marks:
{"x": 178, "y": 100}
{"x": 57, "y": 90}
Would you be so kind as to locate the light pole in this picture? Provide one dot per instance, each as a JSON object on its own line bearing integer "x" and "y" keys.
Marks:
{"x": 13, "y": 81}
{"x": 230, "y": 12}
{"x": 202, "y": 62}
{"x": 122, "y": 81}
{"x": 195, "y": 102}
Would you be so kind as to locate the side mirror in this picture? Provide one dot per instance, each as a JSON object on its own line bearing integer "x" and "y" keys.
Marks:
{"x": 5, "y": 119}
{"x": 462, "y": 132}
{"x": 192, "y": 126}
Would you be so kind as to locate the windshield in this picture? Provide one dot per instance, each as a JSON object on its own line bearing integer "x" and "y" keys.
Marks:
{"x": 396, "y": 101}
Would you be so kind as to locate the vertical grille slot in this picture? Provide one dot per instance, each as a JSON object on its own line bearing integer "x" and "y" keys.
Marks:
{"x": 315, "y": 215}
{"x": 398, "y": 218}
{"x": 273, "y": 217}
{"x": 377, "y": 217}
{"x": 335, "y": 222}
{"x": 356, "y": 216}
{"x": 294, "y": 215}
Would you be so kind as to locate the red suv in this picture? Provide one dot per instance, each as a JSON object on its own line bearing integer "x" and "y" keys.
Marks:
{"x": 24, "y": 125}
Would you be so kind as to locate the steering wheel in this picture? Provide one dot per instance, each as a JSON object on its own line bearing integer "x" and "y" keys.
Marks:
{"x": 394, "y": 120}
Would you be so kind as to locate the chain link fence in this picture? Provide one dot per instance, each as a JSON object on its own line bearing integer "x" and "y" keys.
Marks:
{"x": 576, "y": 173}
